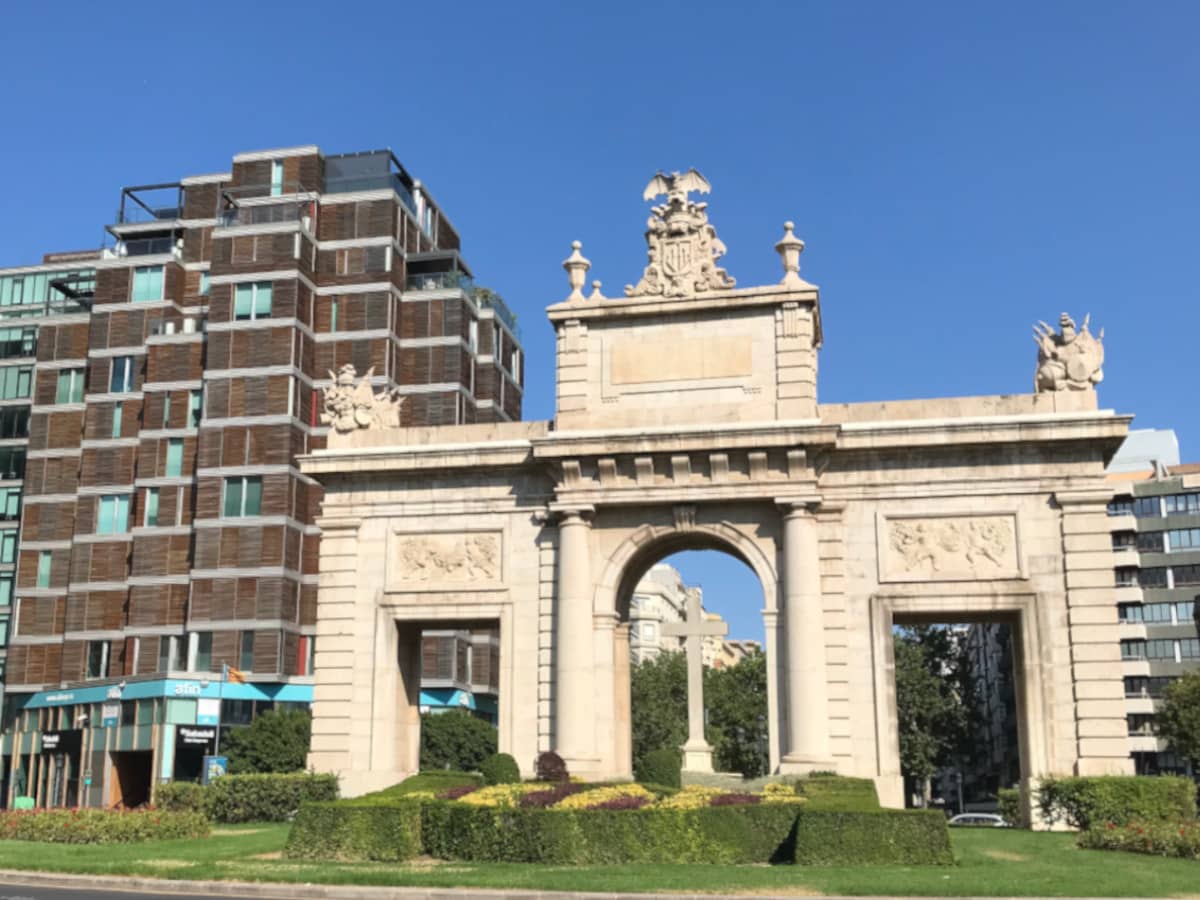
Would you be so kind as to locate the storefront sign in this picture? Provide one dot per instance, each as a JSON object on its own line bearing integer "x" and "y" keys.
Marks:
{"x": 208, "y": 711}
{"x": 195, "y": 736}
{"x": 110, "y": 714}
{"x": 62, "y": 741}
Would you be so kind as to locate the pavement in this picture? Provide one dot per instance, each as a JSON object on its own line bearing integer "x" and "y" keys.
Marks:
{"x": 16, "y": 885}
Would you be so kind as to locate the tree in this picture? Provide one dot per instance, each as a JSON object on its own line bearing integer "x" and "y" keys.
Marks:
{"x": 735, "y": 698}
{"x": 934, "y": 701}
{"x": 658, "y": 704}
{"x": 1179, "y": 717}
{"x": 456, "y": 740}
{"x": 276, "y": 741}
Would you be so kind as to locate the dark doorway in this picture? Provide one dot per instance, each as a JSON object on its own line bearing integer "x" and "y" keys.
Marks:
{"x": 132, "y": 771}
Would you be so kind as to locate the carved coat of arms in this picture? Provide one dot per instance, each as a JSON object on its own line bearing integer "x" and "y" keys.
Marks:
{"x": 682, "y": 247}
{"x": 351, "y": 404}
{"x": 1069, "y": 360}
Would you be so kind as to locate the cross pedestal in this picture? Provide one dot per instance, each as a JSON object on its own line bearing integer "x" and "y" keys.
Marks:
{"x": 697, "y": 753}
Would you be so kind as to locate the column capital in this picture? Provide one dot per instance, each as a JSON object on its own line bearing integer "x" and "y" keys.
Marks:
{"x": 569, "y": 512}
{"x": 801, "y": 506}
{"x": 1084, "y": 497}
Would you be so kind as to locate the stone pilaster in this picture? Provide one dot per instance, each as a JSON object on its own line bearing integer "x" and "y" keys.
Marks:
{"x": 622, "y": 709}
{"x": 807, "y": 746}
{"x": 796, "y": 362}
{"x": 832, "y": 551}
{"x": 1101, "y": 729}
{"x": 574, "y": 725}
{"x": 572, "y": 383}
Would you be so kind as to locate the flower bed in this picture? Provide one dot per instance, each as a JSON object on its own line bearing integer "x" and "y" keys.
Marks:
{"x": 101, "y": 826}
{"x": 567, "y": 824}
{"x": 1155, "y": 838}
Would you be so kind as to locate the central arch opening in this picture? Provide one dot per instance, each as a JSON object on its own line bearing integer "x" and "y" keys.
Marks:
{"x": 692, "y": 609}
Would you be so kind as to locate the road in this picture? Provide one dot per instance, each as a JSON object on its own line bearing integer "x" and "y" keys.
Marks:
{"x": 27, "y": 892}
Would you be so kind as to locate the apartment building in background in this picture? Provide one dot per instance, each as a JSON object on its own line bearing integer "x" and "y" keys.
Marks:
{"x": 460, "y": 669}
{"x": 154, "y": 395}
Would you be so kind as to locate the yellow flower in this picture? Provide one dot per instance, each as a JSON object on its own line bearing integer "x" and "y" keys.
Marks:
{"x": 694, "y": 796}
{"x": 587, "y": 799}
{"x": 502, "y": 795}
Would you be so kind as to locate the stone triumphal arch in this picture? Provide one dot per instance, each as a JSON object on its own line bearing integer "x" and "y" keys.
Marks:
{"x": 687, "y": 417}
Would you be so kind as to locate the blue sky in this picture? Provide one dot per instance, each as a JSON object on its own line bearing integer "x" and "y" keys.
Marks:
{"x": 957, "y": 170}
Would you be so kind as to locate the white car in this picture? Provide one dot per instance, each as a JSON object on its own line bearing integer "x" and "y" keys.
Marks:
{"x": 979, "y": 820}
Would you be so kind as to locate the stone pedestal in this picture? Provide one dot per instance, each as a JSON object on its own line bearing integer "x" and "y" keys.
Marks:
{"x": 697, "y": 756}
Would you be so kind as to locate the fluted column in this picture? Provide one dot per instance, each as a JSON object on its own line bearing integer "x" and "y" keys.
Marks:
{"x": 807, "y": 745}
{"x": 574, "y": 733}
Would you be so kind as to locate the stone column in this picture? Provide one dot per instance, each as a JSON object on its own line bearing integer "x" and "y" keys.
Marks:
{"x": 622, "y": 711}
{"x": 807, "y": 745}
{"x": 574, "y": 734}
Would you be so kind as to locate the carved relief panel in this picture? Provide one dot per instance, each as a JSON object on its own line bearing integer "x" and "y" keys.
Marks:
{"x": 464, "y": 560}
{"x": 948, "y": 547}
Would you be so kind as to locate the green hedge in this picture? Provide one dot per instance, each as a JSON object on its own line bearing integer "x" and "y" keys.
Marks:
{"x": 500, "y": 768}
{"x": 1009, "y": 801}
{"x": 180, "y": 796}
{"x": 101, "y": 826}
{"x": 354, "y": 830}
{"x": 1155, "y": 839}
{"x": 255, "y": 798}
{"x": 423, "y": 783}
{"x": 731, "y": 834}
{"x": 839, "y": 793}
{"x": 1094, "y": 801}
{"x": 660, "y": 767}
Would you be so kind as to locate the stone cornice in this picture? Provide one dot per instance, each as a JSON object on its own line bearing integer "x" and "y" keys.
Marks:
{"x": 625, "y": 307}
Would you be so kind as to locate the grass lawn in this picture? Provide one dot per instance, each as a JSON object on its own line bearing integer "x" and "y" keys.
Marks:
{"x": 992, "y": 862}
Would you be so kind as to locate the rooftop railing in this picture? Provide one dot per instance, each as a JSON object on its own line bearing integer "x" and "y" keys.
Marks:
{"x": 440, "y": 281}
{"x": 266, "y": 213}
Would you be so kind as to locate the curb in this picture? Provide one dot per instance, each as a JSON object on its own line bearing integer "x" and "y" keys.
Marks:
{"x": 284, "y": 891}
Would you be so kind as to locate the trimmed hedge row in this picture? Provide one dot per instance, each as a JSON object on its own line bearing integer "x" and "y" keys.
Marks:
{"x": 1156, "y": 839}
{"x": 101, "y": 826}
{"x": 839, "y": 793}
{"x": 761, "y": 833}
{"x": 1094, "y": 801}
{"x": 249, "y": 798}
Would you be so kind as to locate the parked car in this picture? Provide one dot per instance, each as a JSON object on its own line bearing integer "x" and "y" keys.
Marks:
{"x": 979, "y": 820}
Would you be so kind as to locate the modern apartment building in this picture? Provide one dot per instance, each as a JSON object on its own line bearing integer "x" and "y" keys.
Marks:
{"x": 1155, "y": 516}
{"x": 460, "y": 669}
{"x": 161, "y": 389}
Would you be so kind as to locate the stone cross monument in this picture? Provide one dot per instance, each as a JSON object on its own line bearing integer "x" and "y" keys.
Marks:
{"x": 697, "y": 753}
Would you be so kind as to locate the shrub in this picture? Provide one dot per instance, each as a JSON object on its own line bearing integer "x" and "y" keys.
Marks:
{"x": 276, "y": 741}
{"x": 838, "y": 793}
{"x": 1088, "y": 802}
{"x": 180, "y": 796}
{"x": 455, "y": 740}
{"x": 101, "y": 826}
{"x": 352, "y": 830}
{"x": 500, "y": 768}
{"x": 1009, "y": 800}
{"x": 732, "y": 834}
{"x": 660, "y": 767}
{"x": 266, "y": 798}
{"x": 550, "y": 767}
{"x": 1155, "y": 838}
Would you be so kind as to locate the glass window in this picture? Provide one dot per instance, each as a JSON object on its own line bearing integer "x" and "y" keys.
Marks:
{"x": 70, "y": 386}
{"x": 1127, "y": 576}
{"x": 43, "y": 573}
{"x": 333, "y": 313}
{"x": 203, "y": 659}
{"x": 243, "y": 496}
{"x": 1120, "y": 506}
{"x": 12, "y": 462}
{"x": 1160, "y": 649}
{"x": 246, "y": 656}
{"x": 195, "y": 407}
{"x": 1152, "y": 577}
{"x": 166, "y": 420}
{"x": 10, "y": 504}
{"x": 128, "y": 712}
{"x": 147, "y": 283}
{"x": 1189, "y": 648}
{"x": 1182, "y": 504}
{"x": 116, "y": 422}
{"x": 1133, "y": 649}
{"x": 1186, "y": 575}
{"x": 151, "y": 517}
{"x": 6, "y": 589}
{"x": 171, "y": 654}
{"x": 114, "y": 514}
{"x": 8, "y": 546}
{"x": 121, "y": 380}
{"x": 1185, "y": 612}
{"x": 276, "y": 177}
{"x": 3, "y": 630}
{"x": 175, "y": 456}
{"x": 204, "y": 286}
{"x": 97, "y": 659}
{"x": 1129, "y": 612}
{"x": 1150, "y": 541}
{"x": 15, "y": 382}
{"x": 14, "y": 422}
{"x": 1144, "y": 507}
{"x": 252, "y": 301}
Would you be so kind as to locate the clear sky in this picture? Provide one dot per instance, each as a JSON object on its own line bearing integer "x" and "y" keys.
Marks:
{"x": 958, "y": 170}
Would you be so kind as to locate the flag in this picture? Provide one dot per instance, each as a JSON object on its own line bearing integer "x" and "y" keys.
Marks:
{"x": 237, "y": 676}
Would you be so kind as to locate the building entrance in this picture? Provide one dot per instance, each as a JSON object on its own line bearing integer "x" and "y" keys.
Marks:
{"x": 132, "y": 778}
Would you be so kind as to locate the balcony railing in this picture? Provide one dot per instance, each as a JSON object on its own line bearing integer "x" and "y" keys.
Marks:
{"x": 18, "y": 348}
{"x": 373, "y": 183}
{"x": 441, "y": 281}
{"x": 267, "y": 214}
